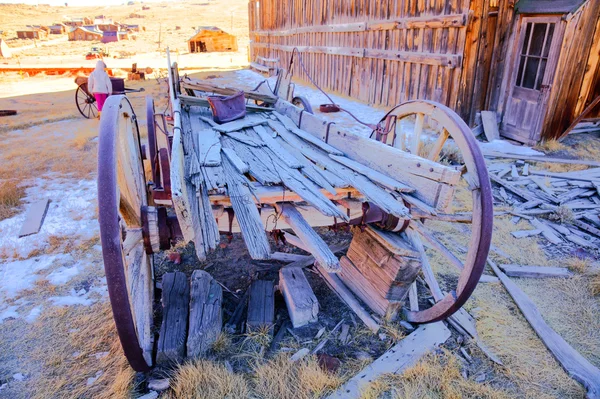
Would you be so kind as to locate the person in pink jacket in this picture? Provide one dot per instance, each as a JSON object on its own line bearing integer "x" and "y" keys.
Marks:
{"x": 99, "y": 85}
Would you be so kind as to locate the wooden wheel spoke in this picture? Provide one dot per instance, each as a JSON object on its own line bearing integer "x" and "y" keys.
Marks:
{"x": 435, "y": 151}
{"x": 436, "y": 244}
{"x": 415, "y": 140}
{"x": 430, "y": 279}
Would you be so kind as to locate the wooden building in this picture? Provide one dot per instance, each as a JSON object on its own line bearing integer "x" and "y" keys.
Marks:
{"x": 211, "y": 38}
{"x": 534, "y": 62}
{"x": 75, "y": 22}
{"x": 58, "y": 29}
{"x": 32, "y": 33}
{"x": 85, "y": 33}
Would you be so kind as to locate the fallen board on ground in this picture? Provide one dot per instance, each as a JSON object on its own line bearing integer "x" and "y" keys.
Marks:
{"x": 35, "y": 217}
{"x": 397, "y": 359}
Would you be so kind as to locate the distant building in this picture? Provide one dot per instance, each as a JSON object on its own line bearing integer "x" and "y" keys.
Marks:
{"x": 108, "y": 27}
{"x": 114, "y": 36}
{"x": 58, "y": 29}
{"x": 75, "y": 22}
{"x": 32, "y": 33}
{"x": 85, "y": 33}
{"x": 132, "y": 28}
{"x": 211, "y": 38}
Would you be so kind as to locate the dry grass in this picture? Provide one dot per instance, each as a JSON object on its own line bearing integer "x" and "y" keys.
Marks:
{"x": 65, "y": 354}
{"x": 435, "y": 376}
{"x": 281, "y": 379}
{"x": 569, "y": 307}
{"x": 577, "y": 264}
{"x": 11, "y": 194}
{"x": 528, "y": 364}
{"x": 594, "y": 283}
{"x": 552, "y": 145}
{"x": 562, "y": 214}
{"x": 207, "y": 380}
{"x": 275, "y": 379}
{"x": 558, "y": 167}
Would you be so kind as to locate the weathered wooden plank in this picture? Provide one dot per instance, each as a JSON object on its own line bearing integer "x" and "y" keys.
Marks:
{"x": 246, "y": 213}
{"x": 578, "y": 367}
{"x": 241, "y": 166}
{"x": 173, "y": 330}
{"x": 397, "y": 359}
{"x": 277, "y": 149}
{"x": 206, "y": 318}
{"x": 490, "y": 125}
{"x": 287, "y": 124}
{"x": 374, "y": 175}
{"x": 315, "y": 244}
{"x": 261, "y": 306}
{"x": 34, "y": 218}
{"x": 299, "y": 297}
{"x": 535, "y": 271}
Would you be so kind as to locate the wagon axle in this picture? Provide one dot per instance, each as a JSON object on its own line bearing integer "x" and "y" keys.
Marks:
{"x": 159, "y": 229}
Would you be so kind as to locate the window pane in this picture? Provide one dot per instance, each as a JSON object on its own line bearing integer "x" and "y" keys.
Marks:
{"x": 549, "y": 40}
{"x": 540, "y": 77}
{"x": 520, "y": 74}
{"x": 537, "y": 39}
{"x": 530, "y": 72}
{"x": 526, "y": 41}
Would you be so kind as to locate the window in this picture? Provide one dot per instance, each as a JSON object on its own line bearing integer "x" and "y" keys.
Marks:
{"x": 534, "y": 54}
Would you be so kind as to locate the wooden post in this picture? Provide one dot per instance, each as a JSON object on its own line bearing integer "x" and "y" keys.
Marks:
{"x": 173, "y": 330}
{"x": 301, "y": 302}
{"x": 205, "y": 313}
{"x": 261, "y": 306}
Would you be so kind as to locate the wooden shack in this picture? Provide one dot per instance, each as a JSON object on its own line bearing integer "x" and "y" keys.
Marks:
{"x": 32, "y": 33}
{"x": 211, "y": 38}
{"x": 83, "y": 33}
{"x": 534, "y": 62}
{"x": 58, "y": 29}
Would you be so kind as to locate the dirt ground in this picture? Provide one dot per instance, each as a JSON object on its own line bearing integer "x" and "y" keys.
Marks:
{"x": 57, "y": 337}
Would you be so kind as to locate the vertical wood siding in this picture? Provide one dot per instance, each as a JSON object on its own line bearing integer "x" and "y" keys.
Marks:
{"x": 382, "y": 52}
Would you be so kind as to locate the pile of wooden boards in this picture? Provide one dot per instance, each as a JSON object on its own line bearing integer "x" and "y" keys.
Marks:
{"x": 265, "y": 161}
{"x": 192, "y": 316}
{"x": 563, "y": 207}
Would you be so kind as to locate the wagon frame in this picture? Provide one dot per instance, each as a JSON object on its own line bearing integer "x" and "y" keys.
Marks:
{"x": 395, "y": 192}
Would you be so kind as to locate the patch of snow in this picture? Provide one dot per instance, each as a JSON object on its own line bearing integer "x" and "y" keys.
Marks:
{"x": 9, "y": 313}
{"x": 99, "y": 355}
{"x": 19, "y": 377}
{"x": 34, "y": 314}
{"x": 91, "y": 380}
{"x": 21, "y": 274}
{"x": 508, "y": 148}
{"x": 63, "y": 275}
{"x": 73, "y": 299}
{"x": 68, "y": 197}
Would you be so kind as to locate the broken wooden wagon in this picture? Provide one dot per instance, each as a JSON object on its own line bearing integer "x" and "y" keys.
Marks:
{"x": 281, "y": 170}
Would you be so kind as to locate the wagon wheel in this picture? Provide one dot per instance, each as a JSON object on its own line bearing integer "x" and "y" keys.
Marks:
{"x": 433, "y": 131}
{"x": 302, "y": 103}
{"x": 121, "y": 195}
{"x": 86, "y": 103}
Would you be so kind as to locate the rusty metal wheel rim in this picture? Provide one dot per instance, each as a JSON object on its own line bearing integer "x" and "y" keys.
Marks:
{"x": 482, "y": 219}
{"x": 119, "y": 222}
{"x": 86, "y": 103}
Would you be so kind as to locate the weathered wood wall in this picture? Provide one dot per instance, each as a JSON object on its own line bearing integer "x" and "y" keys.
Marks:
{"x": 381, "y": 52}
{"x": 457, "y": 52}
